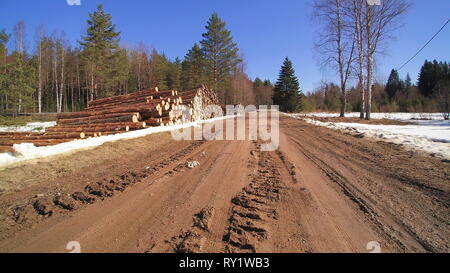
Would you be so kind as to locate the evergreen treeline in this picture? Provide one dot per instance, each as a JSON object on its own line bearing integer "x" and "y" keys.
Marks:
{"x": 431, "y": 93}
{"x": 55, "y": 76}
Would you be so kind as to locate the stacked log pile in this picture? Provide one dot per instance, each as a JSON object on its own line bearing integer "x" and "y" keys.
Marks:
{"x": 120, "y": 114}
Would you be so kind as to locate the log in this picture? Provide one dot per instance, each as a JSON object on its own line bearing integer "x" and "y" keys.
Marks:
{"x": 123, "y": 97}
{"x": 8, "y": 134}
{"x": 157, "y": 120}
{"x": 144, "y": 107}
{"x": 83, "y": 114}
{"x": 134, "y": 116}
{"x": 105, "y": 133}
{"x": 95, "y": 127}
{"x": 51, "y": 136}
{"x": 139, "y": 101}
{"x": 154, "y": 124}
{"x": 166, "y": 93}
{"x": 131, "y": 118}
{"x": 6, "y": 148}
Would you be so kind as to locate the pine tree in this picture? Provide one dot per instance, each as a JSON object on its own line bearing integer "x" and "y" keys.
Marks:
{"x": 394, "y": 84}
{"x": 268, "y": 83}
{"x": 99, "y": 49}
{"x": 160, "y": 65}
{"x": 193, "y": 68}
{"x": 287, "y": 92}
{"x": 4, "y": 38}
{"x": 173, "y": 77}
{"x": 119, "y": 72}
{"x": 221, "y": 54}
{"x": 258, "y": 82}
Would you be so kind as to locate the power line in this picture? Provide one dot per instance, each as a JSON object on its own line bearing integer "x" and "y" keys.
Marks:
{"x": 417, "y": 53}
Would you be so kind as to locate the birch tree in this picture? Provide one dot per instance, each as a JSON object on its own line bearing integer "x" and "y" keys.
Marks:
{"x": 336, "y": 41}
{"x": 380, "y": 22}
{"x": 358, "y": 8}
{"x": 39, "y": 39}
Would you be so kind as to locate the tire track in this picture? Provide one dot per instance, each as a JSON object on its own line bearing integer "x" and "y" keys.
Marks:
{"x": 47, "y": 205}
{"x": 254, "y": 207}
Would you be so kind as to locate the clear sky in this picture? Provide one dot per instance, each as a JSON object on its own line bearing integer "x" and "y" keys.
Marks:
{"x": 265, "y": 30}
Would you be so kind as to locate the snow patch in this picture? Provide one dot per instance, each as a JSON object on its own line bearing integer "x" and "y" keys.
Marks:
{"x": 27, "y": 151}
{"x": 394, "y": 116}
{"x": 432, "y": 136}
{"x": 192, "y": 164}
{"x": 29, "y": 127}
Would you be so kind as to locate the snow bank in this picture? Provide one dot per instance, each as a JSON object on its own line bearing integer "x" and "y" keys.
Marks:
{"x": 27, "y": 151}
{"x": 432, "y": 136}
{"x": 394, "y": 116}
{"x": 29, "y": 127}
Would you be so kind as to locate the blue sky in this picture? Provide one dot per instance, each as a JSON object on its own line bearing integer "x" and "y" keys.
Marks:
{"x": 266, "y": 30}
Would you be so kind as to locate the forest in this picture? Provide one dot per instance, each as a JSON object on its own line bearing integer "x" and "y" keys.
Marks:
{"x": 429, "y": 93}
{"x": 53, "y": 76}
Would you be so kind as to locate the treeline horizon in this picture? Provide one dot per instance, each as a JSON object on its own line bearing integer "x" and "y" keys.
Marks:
{"x": 429, "y": 93}
{"x": 58, "y": 77}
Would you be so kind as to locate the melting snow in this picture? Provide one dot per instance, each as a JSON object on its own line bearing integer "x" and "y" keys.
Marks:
{"x": 29, "y": 127}
{"x": 192, "y": 164}
{"x": 432, "y": 136}
{"x": 26, "y": 151}
{"x": 394, "y": 116}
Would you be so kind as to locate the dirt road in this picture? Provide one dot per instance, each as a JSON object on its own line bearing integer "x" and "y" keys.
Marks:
{"x": 322, "y": 191}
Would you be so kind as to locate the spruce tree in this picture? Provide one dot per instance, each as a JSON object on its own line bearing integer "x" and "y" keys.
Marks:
{"x": 19, "y": 83}
{"x": 100, "y": 49}
{"x": 287, "y": 92}
{"x": 394, "y": 84}
{"x": 431, "y": 74}
{"x": 160, "y": 64}
{"x": 408, "y": 82}
{"x": 221, "y": 54}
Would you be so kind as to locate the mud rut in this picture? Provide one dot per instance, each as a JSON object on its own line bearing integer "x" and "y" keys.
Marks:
{"x": 238, "y": 199}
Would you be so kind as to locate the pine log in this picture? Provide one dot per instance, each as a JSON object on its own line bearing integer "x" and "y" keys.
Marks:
{"x": 84, "y": 114}
{"x": 51, "y": 136}
{"x": 96, "y": 127}
{"x": 6, "y": 148}
{"x": 131, "y": 118}
{"x": 123, "y": 97}
{"x": 134, "y": 116}
{"x": 141, "y": 101}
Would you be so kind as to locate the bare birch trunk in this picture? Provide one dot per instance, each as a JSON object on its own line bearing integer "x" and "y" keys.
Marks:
{"x": 340, "y": 58}
{"x": 358, "y": 6}
{"x": 369, "y": 61}
{"x": 62, "y": 79}
{"x": 40, "y": 78}
{"x": 55, "y": 75}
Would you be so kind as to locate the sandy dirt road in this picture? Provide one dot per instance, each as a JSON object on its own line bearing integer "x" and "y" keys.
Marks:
{"x": 321, "y": 191}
